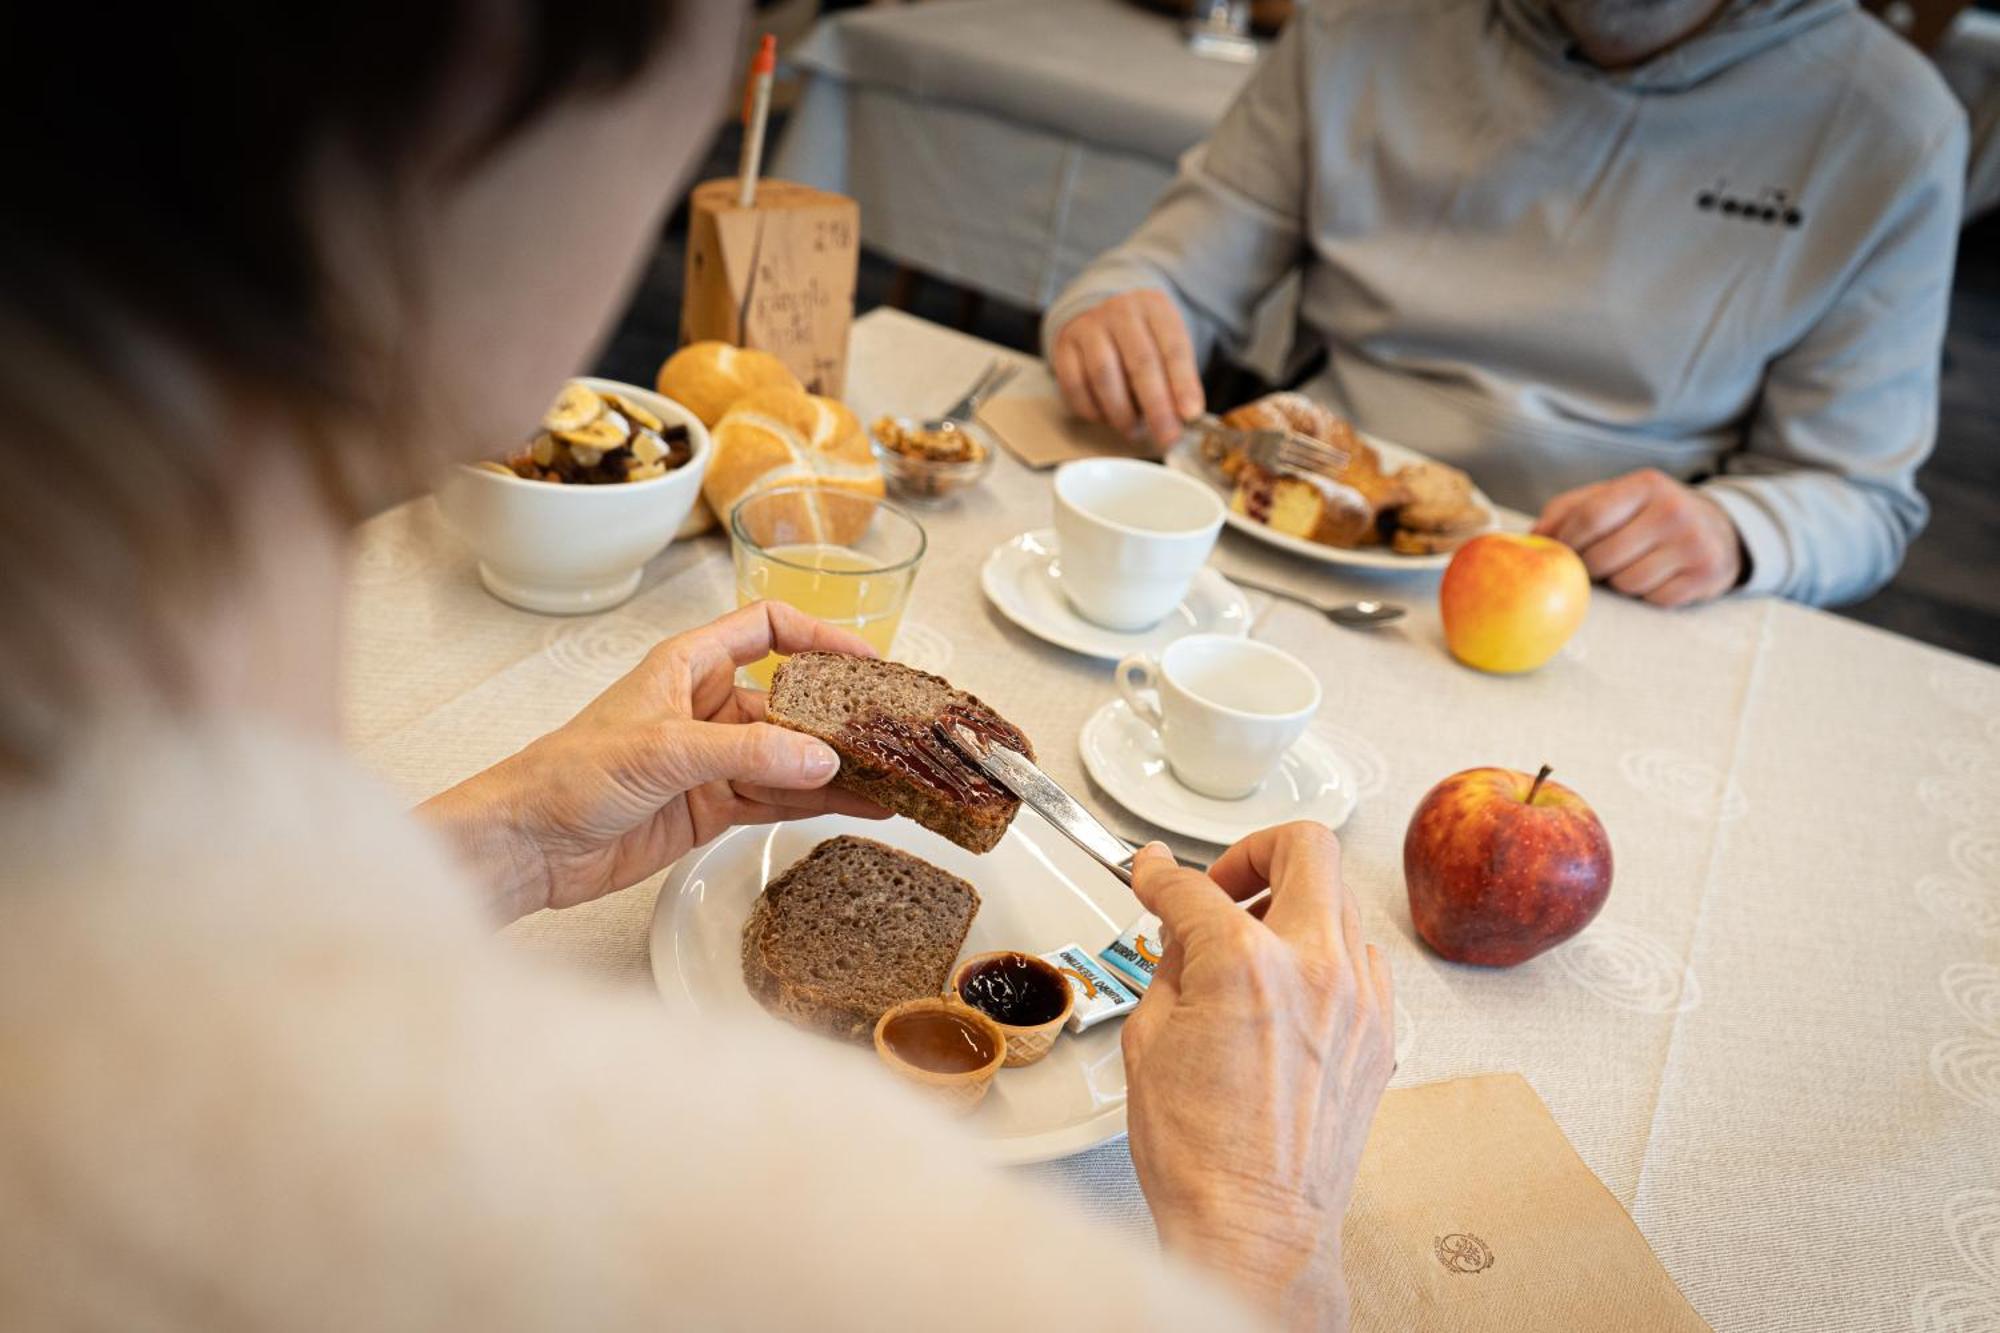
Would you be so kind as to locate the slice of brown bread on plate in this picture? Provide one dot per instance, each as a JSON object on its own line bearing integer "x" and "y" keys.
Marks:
{"x": 850, "y": 930}
{"x": 881, "y": 718}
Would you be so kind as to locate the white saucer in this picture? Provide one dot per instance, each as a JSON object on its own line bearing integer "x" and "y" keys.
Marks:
{"x": 1023, "y": 579}
{"x": 1122, "y": 755}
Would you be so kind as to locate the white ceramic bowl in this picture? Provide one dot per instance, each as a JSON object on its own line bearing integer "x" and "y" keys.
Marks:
{"x": 567, "y": 550}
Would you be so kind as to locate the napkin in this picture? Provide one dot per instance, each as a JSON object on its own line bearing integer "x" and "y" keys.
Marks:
{"x": 1472, "y": 1211}
{"x": 1037, "y": 428}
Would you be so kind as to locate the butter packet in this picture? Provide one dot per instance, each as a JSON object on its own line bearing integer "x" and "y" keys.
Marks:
{"x": 1099, "y": 995}
{"x": 1136, "y": 952}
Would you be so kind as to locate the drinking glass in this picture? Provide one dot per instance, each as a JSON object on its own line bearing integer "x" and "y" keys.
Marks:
{"x": 837, "y": 555}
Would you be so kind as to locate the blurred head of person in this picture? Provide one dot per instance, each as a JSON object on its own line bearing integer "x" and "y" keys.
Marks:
{"x": 267, "y": 270}
{"x": 1617, "y": 33}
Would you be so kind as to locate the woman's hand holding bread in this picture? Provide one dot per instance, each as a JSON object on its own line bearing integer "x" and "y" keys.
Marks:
{"x": 1255, "y": 1062}
{"x": 669, "y": 756}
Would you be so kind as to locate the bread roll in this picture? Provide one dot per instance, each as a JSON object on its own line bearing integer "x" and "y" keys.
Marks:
{"x": 708, "y": 377}
{"x": 699, "y": 520}
{"x": 786, "y": 437}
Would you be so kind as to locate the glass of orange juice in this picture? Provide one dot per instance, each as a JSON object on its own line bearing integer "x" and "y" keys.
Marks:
{"x": 837, "y": 555}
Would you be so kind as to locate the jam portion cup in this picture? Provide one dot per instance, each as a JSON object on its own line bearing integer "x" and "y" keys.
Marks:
{"x": 949, "y": 1050}
{"x": 1027, "y": 998}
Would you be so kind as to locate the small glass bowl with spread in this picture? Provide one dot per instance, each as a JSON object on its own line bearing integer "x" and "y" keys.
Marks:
{"x": 928, "y": 465}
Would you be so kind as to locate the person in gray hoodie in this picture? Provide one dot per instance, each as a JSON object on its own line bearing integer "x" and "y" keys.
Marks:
{"x": 1671, "y": 273}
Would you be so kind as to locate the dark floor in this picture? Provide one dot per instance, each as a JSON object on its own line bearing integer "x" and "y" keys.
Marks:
{"x": 1948, "y": 592}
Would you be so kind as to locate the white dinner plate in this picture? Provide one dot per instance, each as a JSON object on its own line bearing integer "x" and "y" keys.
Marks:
{"x": 1023, "y": 579}
{"x": 1186, "y": 457}
{"x": 1037, "y": 893}
{"x": 1122, "y": 755}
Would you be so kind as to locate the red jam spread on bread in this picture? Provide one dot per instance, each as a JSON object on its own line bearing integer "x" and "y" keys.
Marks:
{"x": 912, "y": 748}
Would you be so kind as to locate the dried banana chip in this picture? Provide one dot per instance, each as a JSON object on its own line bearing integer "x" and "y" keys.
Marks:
{"x": 488, "y": 465}
{"x": 648, "y": 447}
{"x": 609, "y": 431}
{"x": 639, "y": 415}
{"x": 575, "y": 407}
{"x": 590, "y": 438}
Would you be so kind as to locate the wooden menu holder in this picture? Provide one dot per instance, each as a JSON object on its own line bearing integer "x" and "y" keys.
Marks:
{"x": 778, "y": 276}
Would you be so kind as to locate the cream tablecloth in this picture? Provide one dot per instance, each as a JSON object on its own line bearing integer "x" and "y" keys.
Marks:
{"x": 1779, "y": 1046}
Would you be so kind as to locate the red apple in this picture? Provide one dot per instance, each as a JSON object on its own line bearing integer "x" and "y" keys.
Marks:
{"x": 1510, "y": 600}
{"x": 1501, "y": 866}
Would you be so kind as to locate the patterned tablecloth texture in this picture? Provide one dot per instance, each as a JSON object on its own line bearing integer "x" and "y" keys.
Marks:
{"x": 1779, "y": 1045}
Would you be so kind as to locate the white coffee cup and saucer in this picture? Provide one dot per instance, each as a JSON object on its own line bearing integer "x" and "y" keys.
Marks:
{"x": 1211, "y": 739}
{"x": 1124, "y": 569}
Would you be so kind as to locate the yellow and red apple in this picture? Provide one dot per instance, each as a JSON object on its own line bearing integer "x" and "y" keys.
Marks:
{"x": 1502, "y": 865}
{"x": 1510, "y": 600}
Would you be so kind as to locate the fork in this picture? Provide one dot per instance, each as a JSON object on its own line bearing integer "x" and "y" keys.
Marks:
{"x": 1276, "y": 450}
{"x": 997, "y": 376}
{"x": 1293, "y": 452}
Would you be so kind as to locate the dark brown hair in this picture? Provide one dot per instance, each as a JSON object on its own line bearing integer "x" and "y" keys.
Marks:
{"x": 158, "y": 159}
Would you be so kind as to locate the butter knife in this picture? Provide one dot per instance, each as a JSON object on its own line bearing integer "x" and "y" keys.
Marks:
{"x": 1045, "y": 796}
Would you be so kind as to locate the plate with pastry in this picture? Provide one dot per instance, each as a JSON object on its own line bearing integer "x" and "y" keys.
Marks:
{"x": 1373, "y": 503}
{"x": 925, "y": 942}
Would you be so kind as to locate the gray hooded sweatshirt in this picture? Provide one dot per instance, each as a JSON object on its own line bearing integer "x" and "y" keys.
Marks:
{"x": 1731, "y": 263}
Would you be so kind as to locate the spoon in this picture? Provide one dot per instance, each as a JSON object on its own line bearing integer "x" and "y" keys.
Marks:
{"x": 1355, "y": 615}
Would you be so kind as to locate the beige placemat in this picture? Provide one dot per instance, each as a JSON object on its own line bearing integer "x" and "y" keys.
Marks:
{"x": 1037, "y": 428}
{"x": 1472, "y": 1211}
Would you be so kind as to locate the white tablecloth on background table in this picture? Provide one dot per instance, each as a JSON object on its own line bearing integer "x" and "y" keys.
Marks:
{"x": 1002, "y": 144}
{"x": 1779, "y": 1046}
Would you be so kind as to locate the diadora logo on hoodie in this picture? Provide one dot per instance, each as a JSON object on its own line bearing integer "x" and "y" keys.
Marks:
{"x": 1769, "y": 207}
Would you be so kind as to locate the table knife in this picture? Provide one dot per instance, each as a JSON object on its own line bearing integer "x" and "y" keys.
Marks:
{"x": 1045, "y": 796}
{"x": 1042, "y": 793}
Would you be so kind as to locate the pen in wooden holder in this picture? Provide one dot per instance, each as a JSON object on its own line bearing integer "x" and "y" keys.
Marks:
{"x": 756, "y": 117}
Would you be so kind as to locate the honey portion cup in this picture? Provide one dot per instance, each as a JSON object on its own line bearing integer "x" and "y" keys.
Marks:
{"x": 957, "y": 1090}
{"x": 1025, "y": 1045}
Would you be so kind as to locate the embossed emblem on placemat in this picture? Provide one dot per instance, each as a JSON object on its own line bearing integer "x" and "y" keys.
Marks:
{"x": 1461, "y": 1252}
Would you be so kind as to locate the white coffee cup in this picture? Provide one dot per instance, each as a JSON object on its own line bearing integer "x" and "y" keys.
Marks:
{"x": 1225, "y": 709}
{"x": 1133, "y": 536}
